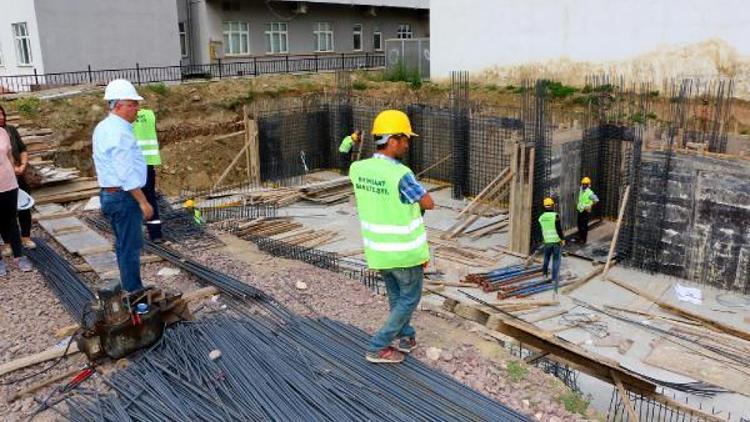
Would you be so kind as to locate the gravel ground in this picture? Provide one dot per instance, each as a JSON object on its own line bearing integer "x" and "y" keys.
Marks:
{"x": 446, "y": 344}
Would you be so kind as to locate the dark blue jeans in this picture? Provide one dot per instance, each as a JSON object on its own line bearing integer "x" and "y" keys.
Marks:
{"x": 552, "y": 250}
{"x": 404, "y": 287}
{"x": 126, "y": 218}
{"x": 149, "y": 190}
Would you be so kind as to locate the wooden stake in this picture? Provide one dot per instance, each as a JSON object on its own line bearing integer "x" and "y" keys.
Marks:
{"x": 632, "y": 416}
{"x": 613, "y": 244}
{"x": 418, "y": 175}
{"x": 49, "y": 354}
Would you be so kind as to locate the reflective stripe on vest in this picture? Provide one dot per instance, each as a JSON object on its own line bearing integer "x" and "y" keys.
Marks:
{"x": 393, "y": 233}
{"x": 549, "y": 231}
{"x": 584, "y": 199}
{"x": 346, "y": 144}
{"x": 144, "y": 129}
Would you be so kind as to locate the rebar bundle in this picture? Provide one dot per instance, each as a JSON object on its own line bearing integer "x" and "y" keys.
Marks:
{"x": 303, "y": 369}
{"x": 225, "y": 283}
{"x": 64, "y": 281}
{"x": 502, "y": 277}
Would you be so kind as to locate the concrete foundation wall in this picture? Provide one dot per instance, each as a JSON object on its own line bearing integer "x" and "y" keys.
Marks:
{"x": 107, "y": 34}
{"x": 706, "y": 231}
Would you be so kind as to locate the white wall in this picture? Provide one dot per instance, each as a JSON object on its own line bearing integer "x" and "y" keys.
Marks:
{"x": 14, "y": 11}
{"x": 478, "y": 35}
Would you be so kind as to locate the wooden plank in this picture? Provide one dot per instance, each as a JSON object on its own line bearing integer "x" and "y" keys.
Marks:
{"x": 613, "y": 244}
{"x": 53, "y": 352}
{"x": 717, "y": 325}
{"x": 92, "y": 250}
{"x": 41, "y": 384}
{"x": 484, "y": 191}
{"x": 253, "y": 151}
{"x": 65, "y": 188}
{"x": 581, "y": 281}
{"x": 632, "y": 417}
{"x": 66, "y": 197}
{"x": 230, "y": 166}
{"x": 544, "y": 317}
{"x": 421, "y": 173}
{"x": 229, "y": 135}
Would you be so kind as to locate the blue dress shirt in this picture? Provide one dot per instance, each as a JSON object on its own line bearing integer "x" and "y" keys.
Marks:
{"x": 118, "y": 159}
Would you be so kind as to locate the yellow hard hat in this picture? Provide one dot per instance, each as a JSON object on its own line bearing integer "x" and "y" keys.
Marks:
{"x": 392, "y": 122}
{"x": 189, "y": 204}
{"x": 549, "y": 202}
{"x": 586, "y": 181}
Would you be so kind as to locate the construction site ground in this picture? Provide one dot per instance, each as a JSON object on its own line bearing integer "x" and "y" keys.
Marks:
{"x": 448, "y": 343}
{"x": 192, "y": 115}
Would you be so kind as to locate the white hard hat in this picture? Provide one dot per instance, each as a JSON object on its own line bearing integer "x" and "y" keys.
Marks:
{"x": 25, "y": 201}
{"x": 120, "y": 89}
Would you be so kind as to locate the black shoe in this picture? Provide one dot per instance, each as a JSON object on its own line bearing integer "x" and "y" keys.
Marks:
{"x": 158, "y": 241}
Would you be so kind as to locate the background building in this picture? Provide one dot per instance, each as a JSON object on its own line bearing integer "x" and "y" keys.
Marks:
{"x": 237, "y": 29}
{"x": 60, "y": 36}
{"x": 568, "y": 39}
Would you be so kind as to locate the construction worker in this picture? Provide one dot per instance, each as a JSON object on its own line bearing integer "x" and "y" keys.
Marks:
{"x": 390, "y": 203}
{"x": 586, "y": 199}
{"x": 552, "y": 233}
{"x": 121, "y": 172}
{"x": 144, "y": 129}
{"x": 189, "y": 205}
{"x": 346, "y": 149}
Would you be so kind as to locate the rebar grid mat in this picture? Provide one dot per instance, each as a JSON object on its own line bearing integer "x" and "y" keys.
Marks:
{"x": 178, "y": 226}
{"x": 649, "y": 409}
{"x": 537, "y": 133}
{"x": 564, "y": 373}
{"x": 295, "y": 369}
{"x": 322, "y": 259}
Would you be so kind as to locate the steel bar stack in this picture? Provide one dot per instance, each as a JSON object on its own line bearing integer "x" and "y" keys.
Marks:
{"x": 301, "y": 369}
{"x": 503, "y": 278}
{"x": 64, "y": 281}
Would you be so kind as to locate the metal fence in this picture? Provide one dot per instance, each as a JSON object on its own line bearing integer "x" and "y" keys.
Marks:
{"x": 220, "y": 69}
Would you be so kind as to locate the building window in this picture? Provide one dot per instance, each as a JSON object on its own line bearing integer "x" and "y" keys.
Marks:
{"x": 183, "y": 39}
{"x": 277, "y": 38}
{"x": 23, "y": 43}
{"x": 357, "y": 37}
{"x": 323, "y": 37}
{"x": 377, "y": 39}
{"x": 404, "y": 31}
{"x": 236, "y": 38}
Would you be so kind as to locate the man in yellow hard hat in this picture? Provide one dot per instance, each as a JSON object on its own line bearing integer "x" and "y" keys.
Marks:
{"x": 390, "y": 204}
{"x": 346, "y": 148}
{"x": 552, "y": 233}
{"x": 586, "y": 200}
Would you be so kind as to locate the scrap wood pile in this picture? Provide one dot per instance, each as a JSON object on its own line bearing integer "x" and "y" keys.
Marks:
{"x": 512, "y": 281}
{"x": 42, "y": 145}
{"x": 287, "y": 231}
{"x": 327, "y": 192}
{"x": 483, "y": 204}
{"x": 465, "y": 255}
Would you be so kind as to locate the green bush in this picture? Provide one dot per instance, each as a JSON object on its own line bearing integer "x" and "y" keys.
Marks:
{"x": 558, "y": 90}
{"x": 401, "y": 73}
{"x": 492, "y": 87}
{"x": 158, "y": 88}
{"x": 28, "y": 106}
{"x": 359, "y": 85}
{"x": 517, "y": 371}
{"x": 575, "y": 403}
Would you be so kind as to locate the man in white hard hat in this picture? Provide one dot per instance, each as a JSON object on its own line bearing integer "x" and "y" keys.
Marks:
{"x": 121, "y": 172}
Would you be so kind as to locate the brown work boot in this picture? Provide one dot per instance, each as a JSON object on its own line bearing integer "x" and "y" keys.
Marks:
{"x": 406, "y": 344}
{"x": 28, "y": 243}
{"x": 7, "y": 251}
{"x": 387, "y": 355}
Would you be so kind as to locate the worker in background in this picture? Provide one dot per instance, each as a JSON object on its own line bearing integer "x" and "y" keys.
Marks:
{"x": 144, "y": 129}
{"x": 553, "y": 237}
{"x": 346, "y": 149}
{"x": 586, "y": 199}
{"x": 189, "y": 205}
{"x": 121, "y": 172}
{"x": 390, "y": 204}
